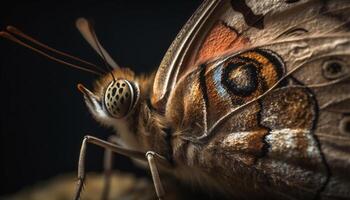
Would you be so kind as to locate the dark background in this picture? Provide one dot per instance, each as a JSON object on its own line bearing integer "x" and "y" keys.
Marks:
{"x": 43, "y": 116}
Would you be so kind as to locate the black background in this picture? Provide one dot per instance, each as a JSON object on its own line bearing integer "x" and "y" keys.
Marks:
{"x": 43, "y": 117}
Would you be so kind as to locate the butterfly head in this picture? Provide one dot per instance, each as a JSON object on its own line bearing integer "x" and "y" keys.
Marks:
{"x": 115, "y": 97}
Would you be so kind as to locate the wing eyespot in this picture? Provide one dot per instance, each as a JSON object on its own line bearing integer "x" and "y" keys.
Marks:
{"x": 241, "y": 78}
{"x": 334, "y": 69}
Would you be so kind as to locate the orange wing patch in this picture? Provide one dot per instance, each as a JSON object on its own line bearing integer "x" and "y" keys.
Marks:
{"x": 220, "y": 39}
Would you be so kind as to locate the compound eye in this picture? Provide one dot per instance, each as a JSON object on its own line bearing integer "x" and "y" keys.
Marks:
{"x": 119, "y": 98}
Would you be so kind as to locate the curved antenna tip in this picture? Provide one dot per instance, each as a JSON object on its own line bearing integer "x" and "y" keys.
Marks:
{"x": 80, "y": 21}
{"x": 87, "y": 31}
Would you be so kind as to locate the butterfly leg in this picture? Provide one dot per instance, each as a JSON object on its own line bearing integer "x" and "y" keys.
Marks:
{"x": 152, "y": 158}
{"x": 107, "y": 167}
{"x": 107, "y": 145}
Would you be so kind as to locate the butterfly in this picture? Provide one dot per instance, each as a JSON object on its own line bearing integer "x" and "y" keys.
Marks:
{"x": 252, "y": 100}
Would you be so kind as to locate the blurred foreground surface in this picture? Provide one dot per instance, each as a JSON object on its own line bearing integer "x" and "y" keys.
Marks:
{"x": 123, "y": 187}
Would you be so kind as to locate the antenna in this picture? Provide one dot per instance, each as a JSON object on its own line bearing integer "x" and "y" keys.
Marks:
{"x": 100, "y": 50}
{"x": 12, "y": 38}
{"x": 89, "y": 34}
{"x": 17, "y": 32}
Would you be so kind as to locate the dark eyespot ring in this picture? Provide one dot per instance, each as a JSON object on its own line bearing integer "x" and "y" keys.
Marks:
{"x": 344, "y": 125}
{"x": 241, "y": 78}
{"x": 334, "y": 69}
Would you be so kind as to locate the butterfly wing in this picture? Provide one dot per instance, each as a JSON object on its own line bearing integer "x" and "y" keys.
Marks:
{"x": 218, "y": 26}
{"x": 203, "y": 36}
{"x": 258, "y": 94}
